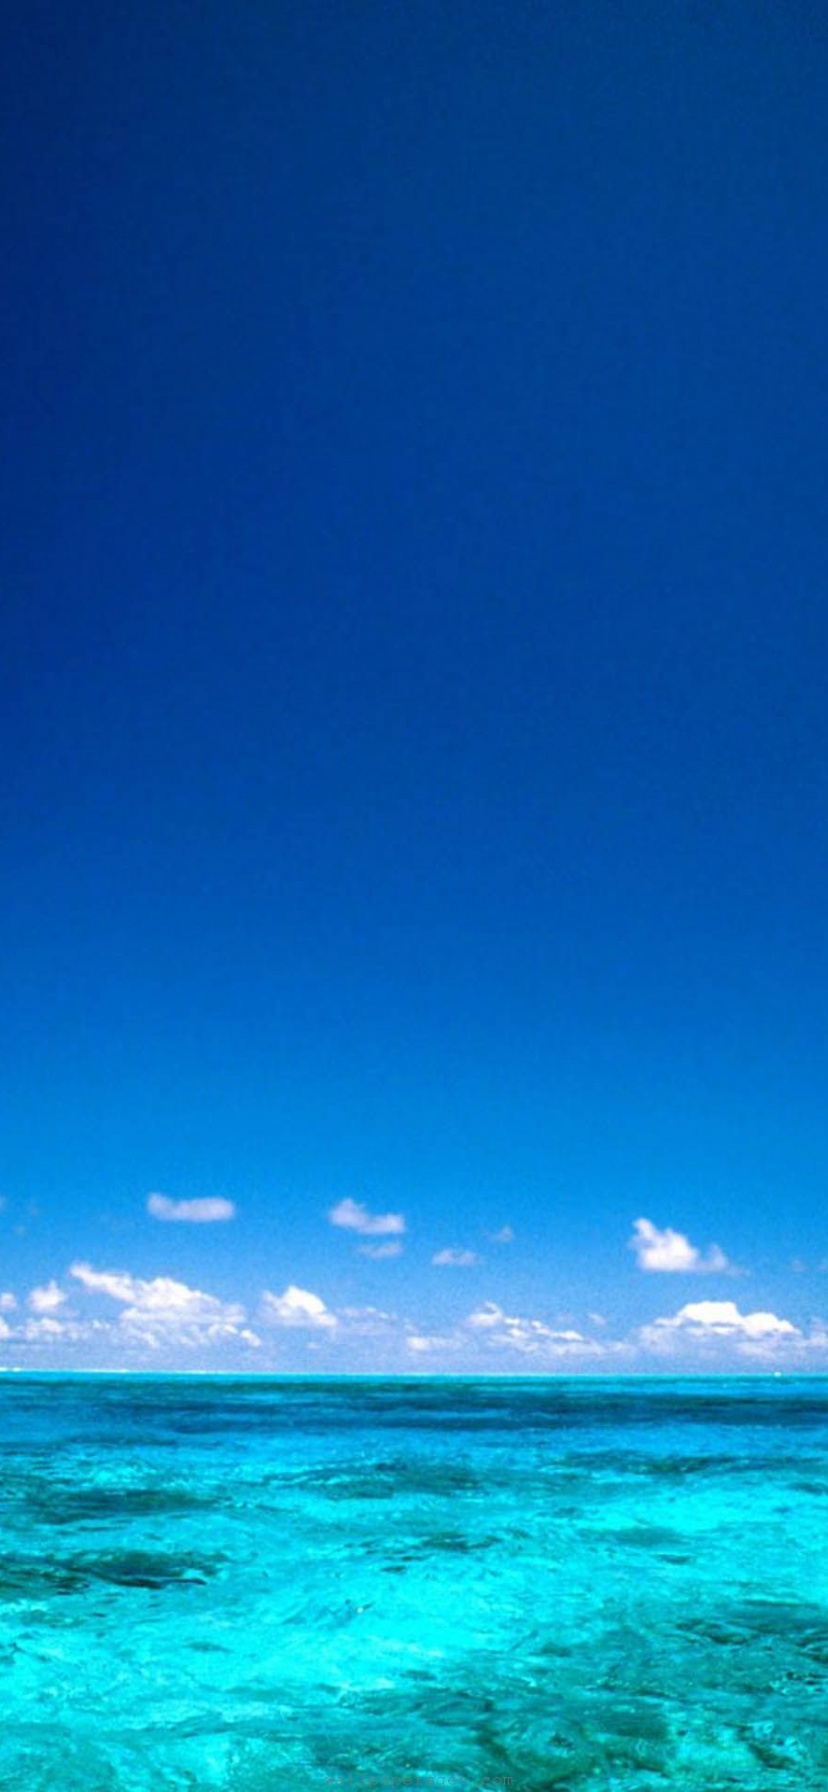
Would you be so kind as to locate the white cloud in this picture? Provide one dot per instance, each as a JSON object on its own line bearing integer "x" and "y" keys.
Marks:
{"x": 163, "y": 1311}
{"x": 356, "y": 1218}
{"x": 450, "y": 1259}
{"x": 45, "y": 1329}
{"x": 46, "y": 1299}
{"x": 425, "y": 1344}
{"x": 722, "y": 1318}
{"x": 530, "y": 1336}
{"x": 203, "y": 1212}
{"x": 669, "y": 1250}
{"x": 300, "y": 1310}
{"x": 379, "y": 1252}
{"x": 48, "y": 1329}
{"x": 487, "y": 1316}
{"x": 8, "y": 1303}
{"x": 711, "y": 1322}
{"x": 114, "y": 1282}
{"x": 504, "y": 1236}
{"x": 297, "y": 1307}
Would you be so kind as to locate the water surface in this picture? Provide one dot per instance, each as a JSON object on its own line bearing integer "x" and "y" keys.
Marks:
{"x": 608, "y": 1586}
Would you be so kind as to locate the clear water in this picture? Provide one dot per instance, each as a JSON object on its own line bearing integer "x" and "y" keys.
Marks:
{"x": 370, "y": 1585}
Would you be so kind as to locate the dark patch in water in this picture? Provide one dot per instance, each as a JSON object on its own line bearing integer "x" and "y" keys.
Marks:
{"x": 76, "y": 1505}
{"x": 36, "y": 1577}
{"x": 388, "y": 1480}
{"x": 432, "y": 1543}
{"x": 636, "y": 1536}
{"x": 801, "y": 1625}
{"x": 624, "y": 1463}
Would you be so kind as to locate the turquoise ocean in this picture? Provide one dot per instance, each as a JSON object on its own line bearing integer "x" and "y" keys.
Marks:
{"x": 447, "y": 1584}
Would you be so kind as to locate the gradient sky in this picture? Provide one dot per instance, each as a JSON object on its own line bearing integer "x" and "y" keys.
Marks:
{"x": 414, "y": 642}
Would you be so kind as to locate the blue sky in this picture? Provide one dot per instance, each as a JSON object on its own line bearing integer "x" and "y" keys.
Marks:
{"x": 413, "y": 717}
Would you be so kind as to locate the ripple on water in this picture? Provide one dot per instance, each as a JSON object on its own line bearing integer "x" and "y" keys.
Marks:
{"x": 354, "y": 1587}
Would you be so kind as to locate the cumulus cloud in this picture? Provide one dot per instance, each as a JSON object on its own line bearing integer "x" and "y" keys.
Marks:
{"x": 529, "y": 1336}
{"x": 297, "y": 1307}
{"x": 722, "y": 1319}
{"x": 163, "y": 1311}
{"x": 299, "y": 1310}
{"x": 48, "y": 1330}
{"x": 711, "y": 1324}
{"x": 356, "y": 1218}
{"x": 504, "y": 1236}
{"x": 449, "y": 1259}
{"x": 162, "y": 1297}
{"x": 45, "y": 1329}
{"x": 203, "y": 1212}
{"x": 669, "y": 1250}
{"x": 379, "y": 1252}
{"x": 487, "y": 1316}
{"x": 114, "y": 1282}
{"x": 46, "y": 1299}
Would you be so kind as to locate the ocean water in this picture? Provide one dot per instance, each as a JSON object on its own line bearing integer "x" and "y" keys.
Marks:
{"x": 430, "y": 1583}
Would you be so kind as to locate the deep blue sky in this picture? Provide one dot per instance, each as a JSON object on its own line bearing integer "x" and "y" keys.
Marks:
{"x": 414, "y": 647}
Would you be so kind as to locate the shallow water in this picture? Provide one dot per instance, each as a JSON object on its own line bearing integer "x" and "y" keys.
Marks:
{"x": 434, "y": 1584}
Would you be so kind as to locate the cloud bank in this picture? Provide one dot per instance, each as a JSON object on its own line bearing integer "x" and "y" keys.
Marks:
{"x": 166, "y": 1312}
